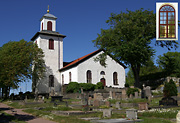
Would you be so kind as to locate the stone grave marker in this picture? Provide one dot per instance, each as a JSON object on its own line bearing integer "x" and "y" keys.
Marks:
{"x": 178, "y": 117}
{"x": 110, "y": 94}
{"x": 107, "y": 113}
{"x": 40, "y": 98}
{"x": 168, "y": 101}
{"x": 147, "y": 91}
{"x": 98, "y": 96}
{"x": 124, "y": 96}
{"x": 96, "y": 103}
{"x": 130, "y": 96}
{"x": 143, "y": 106}
{"x": 131, "y": 114}
{"x": 90, "y": 101}
{"x": 108, "y": 104}
{"x": 118, "y": 105}
{"x": 114, "y": 95}
{"x": 136, "y": 95}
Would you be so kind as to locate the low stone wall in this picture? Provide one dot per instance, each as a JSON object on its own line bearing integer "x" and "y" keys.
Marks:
{"x": 128, "y": 105}
{"x": 72, "y": 95}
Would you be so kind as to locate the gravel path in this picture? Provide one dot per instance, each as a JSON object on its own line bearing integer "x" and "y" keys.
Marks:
{"x": 18, "y": 113}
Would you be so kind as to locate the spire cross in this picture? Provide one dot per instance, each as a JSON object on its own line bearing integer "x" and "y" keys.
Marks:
{"x": 48, "y": 9}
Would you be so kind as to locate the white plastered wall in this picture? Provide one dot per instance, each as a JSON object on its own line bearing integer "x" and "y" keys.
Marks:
{"x": 74, "y": 76}
{"x": 79, "y": 72}
{"x": 44, "y": 21}
{"x": 53, "y": 60}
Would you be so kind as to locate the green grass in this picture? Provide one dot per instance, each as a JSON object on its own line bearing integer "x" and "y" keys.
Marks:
{"x": 154, "y": 120}
{"x": 155, "y": 102}
{"x": 9, "y": 118}
{"x": 148, "y": 117}
{"x": 113, "y": 101}
{"x": 16, "y": 105}
{"x": 165, "y": 113}
{"x": 60, "y": 119}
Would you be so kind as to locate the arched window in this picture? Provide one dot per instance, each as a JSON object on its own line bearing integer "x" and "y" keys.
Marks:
{"x": 51, "y": 44}
{"x": 70, "y": 77}
{"x": 89, "y": 76}
{"x": 42, "y": 26}
{"x": 115, "y": 78}
{"x": 167, "y": 22}
{"x": 51, "y": 81}
{"x": 49, "y": 25}
{"x": 102, "y": 73}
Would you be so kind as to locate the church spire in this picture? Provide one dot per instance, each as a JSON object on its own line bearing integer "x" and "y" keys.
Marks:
{"x": 48, "y": 9}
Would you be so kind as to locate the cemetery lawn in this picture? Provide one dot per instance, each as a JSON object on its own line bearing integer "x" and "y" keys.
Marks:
{"x": 155, "y": 120}
{"x": 44, "y": 110}
{"x": 6, "y": 118}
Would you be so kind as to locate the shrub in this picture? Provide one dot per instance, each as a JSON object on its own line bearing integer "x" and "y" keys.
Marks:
{"x": 126, "y": 85}
{"x": 131, "y": 91}
{"x": 99, "y": 85}
{"x": 87, "y": 86}
{"x": 72, "y": 87}
{"x": 170, "y": 89}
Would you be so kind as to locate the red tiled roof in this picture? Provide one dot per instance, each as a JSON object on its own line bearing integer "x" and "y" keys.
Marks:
{"x": 79, "y": 59}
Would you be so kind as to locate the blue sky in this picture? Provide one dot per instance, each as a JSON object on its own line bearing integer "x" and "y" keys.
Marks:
{"x": 79, "y": 20}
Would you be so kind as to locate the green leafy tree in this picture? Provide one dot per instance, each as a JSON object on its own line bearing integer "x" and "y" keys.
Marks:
{"x": 149, "y": 74}
{"x": 129, "y": 38}
{"x": 170, "y": 63}
{"x": 130, "y": 77}
{"x": 17, "y": 59}
{"x": 170, "y": 89}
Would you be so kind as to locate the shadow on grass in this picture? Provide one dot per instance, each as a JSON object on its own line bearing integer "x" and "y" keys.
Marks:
{"x": 6, "y": 118}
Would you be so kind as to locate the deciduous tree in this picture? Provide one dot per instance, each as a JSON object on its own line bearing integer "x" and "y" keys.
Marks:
{"x": 17, "y": 59}
{"x": 170, "y": 63}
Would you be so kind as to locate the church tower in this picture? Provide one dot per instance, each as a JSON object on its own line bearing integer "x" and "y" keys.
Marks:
{"x": 51, "y": 42}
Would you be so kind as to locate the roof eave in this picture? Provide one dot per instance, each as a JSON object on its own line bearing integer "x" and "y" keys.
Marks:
{"x": 50, "y": 34}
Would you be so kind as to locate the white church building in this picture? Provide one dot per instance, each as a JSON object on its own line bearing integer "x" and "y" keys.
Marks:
{"x": 82, "y": 70}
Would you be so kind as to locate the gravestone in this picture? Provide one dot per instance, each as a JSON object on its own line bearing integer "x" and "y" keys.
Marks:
{"x": 131, "y": 114}
{"x": 136, "y": 95}
{"x": 40, "y": 98}
{"x": 143, "y": 106}
{"x": 84, "y": 100}
{"x": 124, "y": 96}
{"x": 168, "y": 101}
{"x": 178, "y": 117}
{"x": 130, "y": 96}
{"x": 98, "y": 96}
{"x": 96, "y": 103}
{"x": 110, "y": 94}
{"x": 114, "y": 95}
{"x": 90, "y": 101}
{"x": 147, "y": 91}
{"x": 118, "y": 105}
{"x": 81, "y": 90}
{"x": 149, "y": 98}
{"x": 131, "y": 86}
{"x": 107, "y": 113}
{"x": 25, "y": 100}
{"x": 107, "y": 103}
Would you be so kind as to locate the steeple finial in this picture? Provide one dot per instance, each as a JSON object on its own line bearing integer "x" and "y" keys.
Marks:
{"x": 48, "y": 9}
